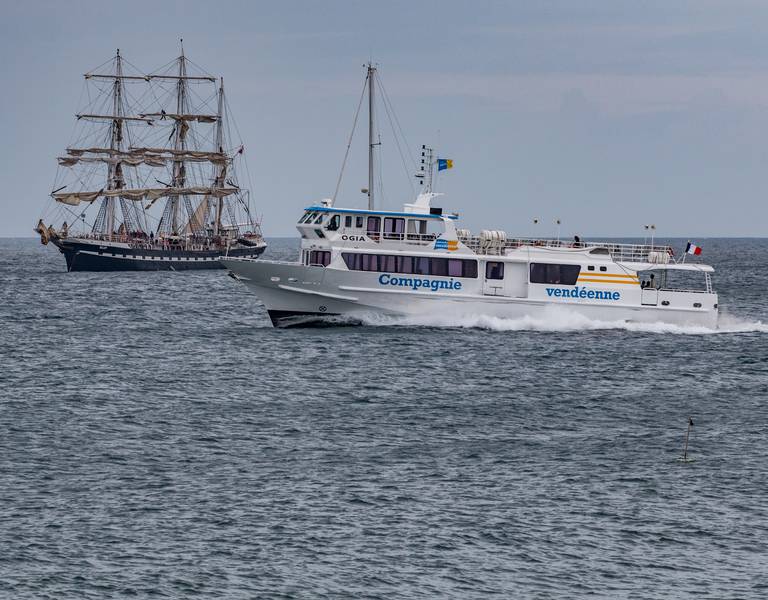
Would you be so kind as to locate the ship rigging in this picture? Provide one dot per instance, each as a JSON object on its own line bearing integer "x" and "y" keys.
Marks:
{"x": 154, "y": 158}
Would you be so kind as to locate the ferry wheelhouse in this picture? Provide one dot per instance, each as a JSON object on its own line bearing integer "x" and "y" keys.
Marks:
{"x": 358, "y": 262}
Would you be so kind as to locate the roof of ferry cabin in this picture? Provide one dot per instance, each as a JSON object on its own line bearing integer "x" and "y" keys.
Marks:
{"x": 386, "y": 213}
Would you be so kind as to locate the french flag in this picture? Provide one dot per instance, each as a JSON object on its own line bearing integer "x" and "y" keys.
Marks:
{"x": 692, "y": 249}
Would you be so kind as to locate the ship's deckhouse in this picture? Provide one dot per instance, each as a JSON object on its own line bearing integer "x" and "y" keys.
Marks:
{"x": 356, "y": 225}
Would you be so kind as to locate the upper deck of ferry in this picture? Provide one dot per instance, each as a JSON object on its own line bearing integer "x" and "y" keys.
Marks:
{"x": 419, "y": 226}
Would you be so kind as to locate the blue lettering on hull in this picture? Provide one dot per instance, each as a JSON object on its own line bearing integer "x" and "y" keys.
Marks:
{"x": 416, "y": 283}
{"x": 583, "y": 293}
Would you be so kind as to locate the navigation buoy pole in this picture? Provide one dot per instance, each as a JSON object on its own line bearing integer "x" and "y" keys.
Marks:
{"x": 687, "y": 436}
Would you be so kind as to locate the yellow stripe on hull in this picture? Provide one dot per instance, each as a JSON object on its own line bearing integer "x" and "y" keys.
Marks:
{"x": 611, "y": 281}
{"x": 610, "y": 275}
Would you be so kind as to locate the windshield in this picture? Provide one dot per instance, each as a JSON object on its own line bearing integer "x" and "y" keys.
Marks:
{"x": 671, "y": 279}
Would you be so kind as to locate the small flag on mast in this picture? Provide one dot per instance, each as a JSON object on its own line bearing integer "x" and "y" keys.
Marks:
{"x": 692, "y": 249}
{"x": 444, "y": 163}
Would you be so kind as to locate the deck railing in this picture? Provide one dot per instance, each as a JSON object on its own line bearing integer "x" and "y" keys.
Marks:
{"x": 653, "y": 253}
{"x": 158, "y": 243}
{"x": 650, "y": 253}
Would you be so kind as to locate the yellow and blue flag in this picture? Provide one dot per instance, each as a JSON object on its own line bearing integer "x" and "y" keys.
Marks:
{"x": 444, "y": 163}
{"x": 443, "y": 244}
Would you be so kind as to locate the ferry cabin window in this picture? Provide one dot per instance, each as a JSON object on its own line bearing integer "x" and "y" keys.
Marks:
{"x": 418, "y": 265}
{"x": 438, "y": 266}
{"x": 319, "y": 219}
{"x": 348, "y": 221}
{"x": 421, "y": 265}
{"x": 458, "y": 267}
{"x": 370, "y": 262}
{"x": 393, "y": 228}
{"x": 334, "y": 223}
{"x": 434, "y": 228}
{"x": 374, "y": 226}
{"x": 554, "y": 274}
{"x": 307, "y": 217}
{"x": 404, "y": 264}
{"x": 670, "y": 279}
{"x": 387, "y": 263}
{"x": 416, "y": 228}
{"x": 359, "y": 222}
{"x": 494, "y": 270}
{"x": 320, "y": 257}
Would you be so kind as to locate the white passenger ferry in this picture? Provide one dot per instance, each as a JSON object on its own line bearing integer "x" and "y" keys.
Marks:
{"x": 356, "y": 262}
{"x": 416, "y": 262}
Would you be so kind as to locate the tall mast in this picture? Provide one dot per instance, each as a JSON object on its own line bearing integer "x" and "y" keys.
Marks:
{"x": 179, "y": 142}
{"x": 371, "y": 74}
{"x": 115, "y": 170}
{"x": 222, "y": 170}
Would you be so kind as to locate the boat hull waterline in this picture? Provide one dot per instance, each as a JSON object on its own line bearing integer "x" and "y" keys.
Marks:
{"x": 84, "y": 256}
{"x": 296, "y": 296}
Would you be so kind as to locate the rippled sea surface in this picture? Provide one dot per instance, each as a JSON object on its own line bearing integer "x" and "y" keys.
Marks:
{"x": 159, "y": 438}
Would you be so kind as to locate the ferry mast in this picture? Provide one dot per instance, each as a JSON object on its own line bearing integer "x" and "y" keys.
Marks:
{"x": 370, "y": 76}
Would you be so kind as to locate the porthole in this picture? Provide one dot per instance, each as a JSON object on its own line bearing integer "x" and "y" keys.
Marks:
{"x": 603, "y": 268}
{"x": 665, "y": 302}
{"x": 697, "y": 305}
{"x": 591, "y": 268}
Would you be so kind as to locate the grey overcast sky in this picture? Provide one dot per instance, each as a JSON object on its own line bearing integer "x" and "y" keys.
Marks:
{"x": 607, "y": 114}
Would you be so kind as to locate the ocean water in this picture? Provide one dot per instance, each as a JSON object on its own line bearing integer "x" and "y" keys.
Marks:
{"x": 158, "y": 438}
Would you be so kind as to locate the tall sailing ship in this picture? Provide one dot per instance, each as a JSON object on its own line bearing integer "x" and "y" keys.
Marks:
{"x": 150, "y": 180}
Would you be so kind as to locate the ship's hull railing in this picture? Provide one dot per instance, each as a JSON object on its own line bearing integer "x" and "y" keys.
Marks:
{"x": 143, "y": 241}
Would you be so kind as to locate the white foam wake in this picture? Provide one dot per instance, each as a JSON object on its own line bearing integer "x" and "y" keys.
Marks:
{"x": 557, "y": 320}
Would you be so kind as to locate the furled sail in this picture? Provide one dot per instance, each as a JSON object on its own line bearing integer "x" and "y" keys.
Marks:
{"x": 178, "y": 117}
{"x": 154, "y": 153}
{"x": 212, "y": 156}
{"x": 75, "y": 198}
{"x": 134, "y": 160}
{"x": 114, "y": 118}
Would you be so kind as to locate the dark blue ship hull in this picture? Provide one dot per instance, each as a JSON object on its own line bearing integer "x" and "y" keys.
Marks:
{"x": 92, "y": 256}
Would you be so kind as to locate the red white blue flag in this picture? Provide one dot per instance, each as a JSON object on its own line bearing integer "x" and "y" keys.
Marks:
{"x": 692, "y": 249}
